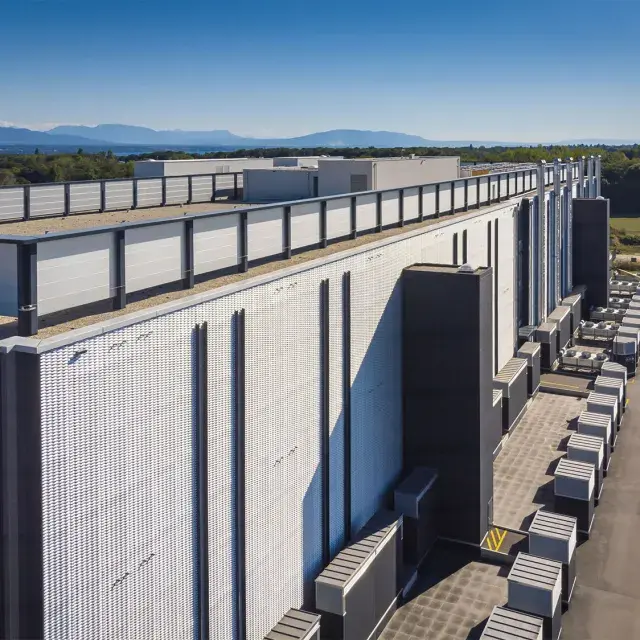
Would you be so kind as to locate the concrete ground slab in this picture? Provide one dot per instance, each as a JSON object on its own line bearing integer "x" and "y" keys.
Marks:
{"x": 523, "y": 471}
{"x": 452, "y": 599}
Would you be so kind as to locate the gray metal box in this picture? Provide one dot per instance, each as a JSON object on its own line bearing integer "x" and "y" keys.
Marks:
{"x": 585, "y": 448}
{"x": 561, "y": 316}
{"x": 574, "y": 302}
{"x": 611, "y": 387}
{"x": 615, "y": 370}
{"x": 535, "y": 586}
{"x": 555, "y": 536}
{"x": 603, "y": 403}
{"x": 505, "y": 624}
{"x": 512, "y": 381}
{"x": 598, "y": 425}
{"x": 547, "y": 336}
{"x": 296, "y": 625}
{"x": 415, "y": 498}
{"x": 625, "y": 349}
{"x": 574, "y": 489}
{"x": 532, "y": 352}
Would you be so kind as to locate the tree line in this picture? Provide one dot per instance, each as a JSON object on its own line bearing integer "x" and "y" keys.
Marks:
{"x": 620, "y": 164}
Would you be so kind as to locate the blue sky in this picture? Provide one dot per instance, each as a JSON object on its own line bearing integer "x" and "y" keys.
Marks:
{"x": 500, "y": 70}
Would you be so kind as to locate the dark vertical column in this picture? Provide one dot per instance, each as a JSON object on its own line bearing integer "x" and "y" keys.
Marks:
{"x": 466, "y": 194}
{"x": 352, "y": 215}
{"x": 164, "y": 191}
{"x": 478, "y": 193}
{"x": 326, "y": 458}
{"x": 378, "y": 212}
{"x": 286, "y": 253}
{"x": 202, "y": 478}
{"x": 433, "y": 345}
{"x": 420, "y": 204}
{"x": 591, "y": 249}
{"x": 498, "y": 189}
{"x": 189, "y": 189}
{"x": 401, "y": 207}
{"x": 346, "y": 398}
{"x": 134, "y": 194}
{"x": 243, "y": 242}
{"x": 489, "y": 245}
{"x": 452, "y": 186}
{"x": 103, "y": 196}
{"x": 120, "y": 299}
{"x": 67, "y": 199}
{"x": 26, "y": 202}
{"x": 27, "y": 269}
{"x": 214, "y": 185}
{"x": 464, "y": 247}
{"x": 524, "y": 258}
{"x": 235, "y": 186}
{"x": 455, "y": 248}
{"x": 240, "y": 475}
{"x": 323, "y": 224}
{"x": 22, "y": 538}
{"x": 437, "y": 200}
{"x": 496, "y": 296}
{"x": 189, "y": 256}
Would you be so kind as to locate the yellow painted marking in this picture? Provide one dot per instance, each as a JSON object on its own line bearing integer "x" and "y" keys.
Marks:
{"x": 494, "y": 538}
{"x": 502, "y": 537}
{"x": 488, "y": 540}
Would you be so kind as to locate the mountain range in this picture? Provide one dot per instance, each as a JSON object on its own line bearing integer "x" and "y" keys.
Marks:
{"x": 113, "y": 135}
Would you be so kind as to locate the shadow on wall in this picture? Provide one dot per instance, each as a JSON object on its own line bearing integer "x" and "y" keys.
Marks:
{"x": 376, "y": 435}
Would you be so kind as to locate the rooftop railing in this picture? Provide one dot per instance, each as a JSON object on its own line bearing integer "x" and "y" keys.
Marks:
{"x": 41, "y": 275}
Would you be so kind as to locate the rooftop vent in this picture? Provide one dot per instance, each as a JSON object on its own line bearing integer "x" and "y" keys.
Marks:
{"x": 466, "y": 268}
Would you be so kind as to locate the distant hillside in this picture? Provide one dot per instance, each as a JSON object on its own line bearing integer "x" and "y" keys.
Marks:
{"x": 15, "y": 135}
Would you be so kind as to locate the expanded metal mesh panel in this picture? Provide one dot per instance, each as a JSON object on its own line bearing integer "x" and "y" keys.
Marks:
{"x": 177, "y": 190}
{"x": 201, "y": 188}
{"x": 11, "y": 203}
{"x": 149, "y": 193}
{"x": 84, "y": 197}
{"x": 117, "y": 484}
{"x": 47, "y": 200}
{"x": 283, "y": 436}
{"x": 376, "y": 374}
{"x": 119, "y": 195}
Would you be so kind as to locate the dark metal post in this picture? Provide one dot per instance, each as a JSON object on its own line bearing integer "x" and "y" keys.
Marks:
{"x": 352, "y": 215}
{"x": 499, "y": 188}
{"x": 326, "y": 457}
{"x": 235, "y": 186}
{"x": 189, "y": 189}
{"x": 244, "y": 242}
{"x": 478, "y": 193}
{"x": 453, "y": 198}
{"x": 164, "y": 191}
{"x": 240, "y": 473}
{"x": 120, "y": 300}
{"x": 420, "y": 204}
{"x": 401, "y": 207}
{"x": 324, "y": 241}
{"x": 27, "y": 269}
{"x": 189, "y": 254}
{"x": 103, "y": 196}
{"x": 466, "y": 194}
{"x": 286, "y": 253}
{"x": 26, "y": 199}
{"x": 378, "y": 212}
{"x": 213, "y": 187}
{"x": 134, "y": 197}
{"x": 464, "y": 246}
{"x": 67, "y": 199}
{"x": 437, "y": 214}
{"x": 346, "y": 399}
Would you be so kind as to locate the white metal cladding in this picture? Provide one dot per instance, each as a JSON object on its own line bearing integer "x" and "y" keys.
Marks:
{"x": 283, "y": 436}
{"x": 338, "y": 218}
{"x": 366, "y": 211}
{"x": 429, "y": 200}
{"x": 117, "y": 424}
{"x": 150, "y": 192}
{"x": 119, "y": 195}
{"x": 155, "y": 253}
{"x": 266, "y": 233}
{"x": 305, "y": 224}
{"x": 512, "y": 183}
{"x": 477, "y": 242}
{"x": 11, "y": 204}
{"x": 221, "y": 469}
{"x": 47, "y": 200}
{"x": 445, "y": 198}
{"x": 201, "y": 188}
{"x": 458, "y": 194}
{"x": 84, "y": 197}
{"x": 8, "y": 279}
{"x": 505, "y": 284}
{"x": 390, "y": 209}
{"x": 376, "y": 373}
{"x": 117, "y": 484}
{"x": 472, "y": 193}
{"x": 484, "y": 189}
{"x": 215, "y": 243}
{"x": 70, "y": 275}
{"x": 410, "y": 204}
{"x": 177, "y": 190}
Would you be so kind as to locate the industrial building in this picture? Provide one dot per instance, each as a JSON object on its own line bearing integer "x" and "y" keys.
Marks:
{"x": 200, "y": 167}
{"x": 281, "y": 451}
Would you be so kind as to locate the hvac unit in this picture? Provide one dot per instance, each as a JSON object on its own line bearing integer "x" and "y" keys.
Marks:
{"x": 613, "y": 315}
{"x": 561, "y": 316}
{"x": 512, "y": 381}
{"x": 296, "y": 625}
{"x": 633, "y": 303}
{"x": 574, "y": 302}
{"x": 588, "y": 449}
{"x": 540, "y": 597}
{"x": 546, "y": 335}
{"x": 613, "y": 387}
{"x": 415, "y": 499}
{"x": 555, "y": 536}
{"x": 587, "y": 329}
{"x": 619, "y": 303}
{"x": 526, "y": 334}
{"x": 614, "y": 287}
{"x": 520, "y": 626}
{"x": 625, "y": 352}
{"x": 607, "y": 405}
{"x": 531, "y": 352}
{"x": 615, "y": 370}
{"x": 598, "y": 425}
{"x": 597, "y": 314}
{"x": 628, "y": 288}
{"x": 605, "y": 330}
{"x": 631, "y": 322}
{"x": 574, "y": 490}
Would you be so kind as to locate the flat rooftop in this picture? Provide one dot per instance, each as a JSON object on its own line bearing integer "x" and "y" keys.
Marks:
{"x": 456, "y": 590}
